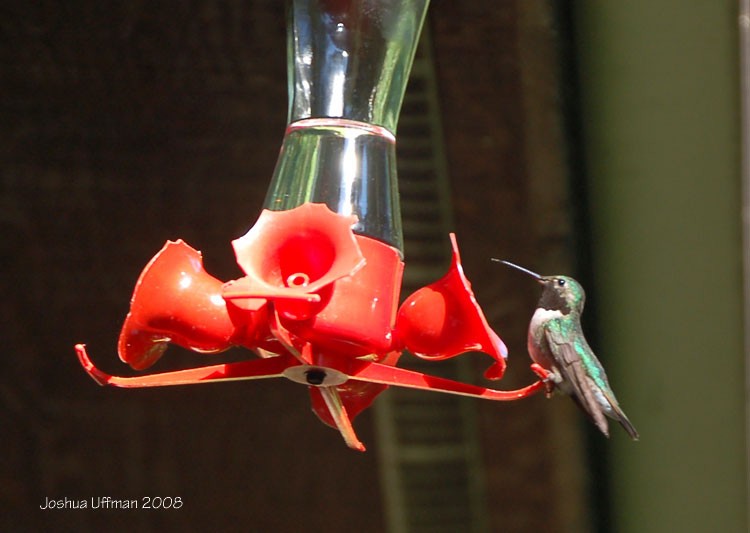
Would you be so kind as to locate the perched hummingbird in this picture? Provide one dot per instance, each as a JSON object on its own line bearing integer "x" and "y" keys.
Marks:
{"x": 556, "y": 343}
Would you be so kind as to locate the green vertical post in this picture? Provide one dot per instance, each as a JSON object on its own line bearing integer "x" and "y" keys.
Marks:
{"x": 661, "y": 124}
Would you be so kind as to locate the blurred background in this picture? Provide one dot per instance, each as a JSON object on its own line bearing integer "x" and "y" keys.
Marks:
{"x": 597, "y": 139}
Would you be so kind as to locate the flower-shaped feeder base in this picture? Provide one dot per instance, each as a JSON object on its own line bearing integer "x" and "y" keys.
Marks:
{"x": 338, "y": 370}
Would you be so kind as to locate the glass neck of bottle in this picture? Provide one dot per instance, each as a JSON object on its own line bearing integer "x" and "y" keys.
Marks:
{"x": 351, "y": 59}
{"x": 349, "y": 62}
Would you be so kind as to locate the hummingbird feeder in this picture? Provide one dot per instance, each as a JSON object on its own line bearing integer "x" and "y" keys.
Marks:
{"x": 323, "y": 264}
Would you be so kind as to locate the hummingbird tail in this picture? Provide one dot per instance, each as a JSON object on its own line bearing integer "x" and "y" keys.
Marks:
{"x": 624, "y": 422}
{"x": 618, "y": 414}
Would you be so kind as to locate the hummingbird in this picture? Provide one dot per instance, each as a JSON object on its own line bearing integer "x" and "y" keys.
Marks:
{"x": 556, "y": 344}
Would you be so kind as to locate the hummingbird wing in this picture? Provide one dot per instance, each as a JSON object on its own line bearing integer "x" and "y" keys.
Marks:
{"x": 571, "y": 365}
{"x": 585, "y": 374}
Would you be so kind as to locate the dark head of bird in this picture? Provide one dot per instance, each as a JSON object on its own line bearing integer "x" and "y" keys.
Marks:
{"x": 561, "y": 293}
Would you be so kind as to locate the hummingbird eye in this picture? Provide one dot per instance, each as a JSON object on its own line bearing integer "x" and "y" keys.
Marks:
{"x": 561, "y": 282}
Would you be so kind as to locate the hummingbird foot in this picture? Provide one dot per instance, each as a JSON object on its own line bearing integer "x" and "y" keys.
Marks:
{"x": 548, "y": 377}
{"x": 543, "y": 373}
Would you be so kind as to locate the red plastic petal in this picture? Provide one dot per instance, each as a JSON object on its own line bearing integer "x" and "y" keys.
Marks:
{"x": 444, "y": 319}
{"x": 293, "y": 256}
{"x": 176, "y": 300}
{"x": 358, "y": 318}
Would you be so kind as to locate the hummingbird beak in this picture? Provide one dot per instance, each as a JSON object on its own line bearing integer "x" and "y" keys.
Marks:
{"x": 534, "y": 275}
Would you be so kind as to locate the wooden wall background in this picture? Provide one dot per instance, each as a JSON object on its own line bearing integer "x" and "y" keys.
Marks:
{"x": 122, "y": 126}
